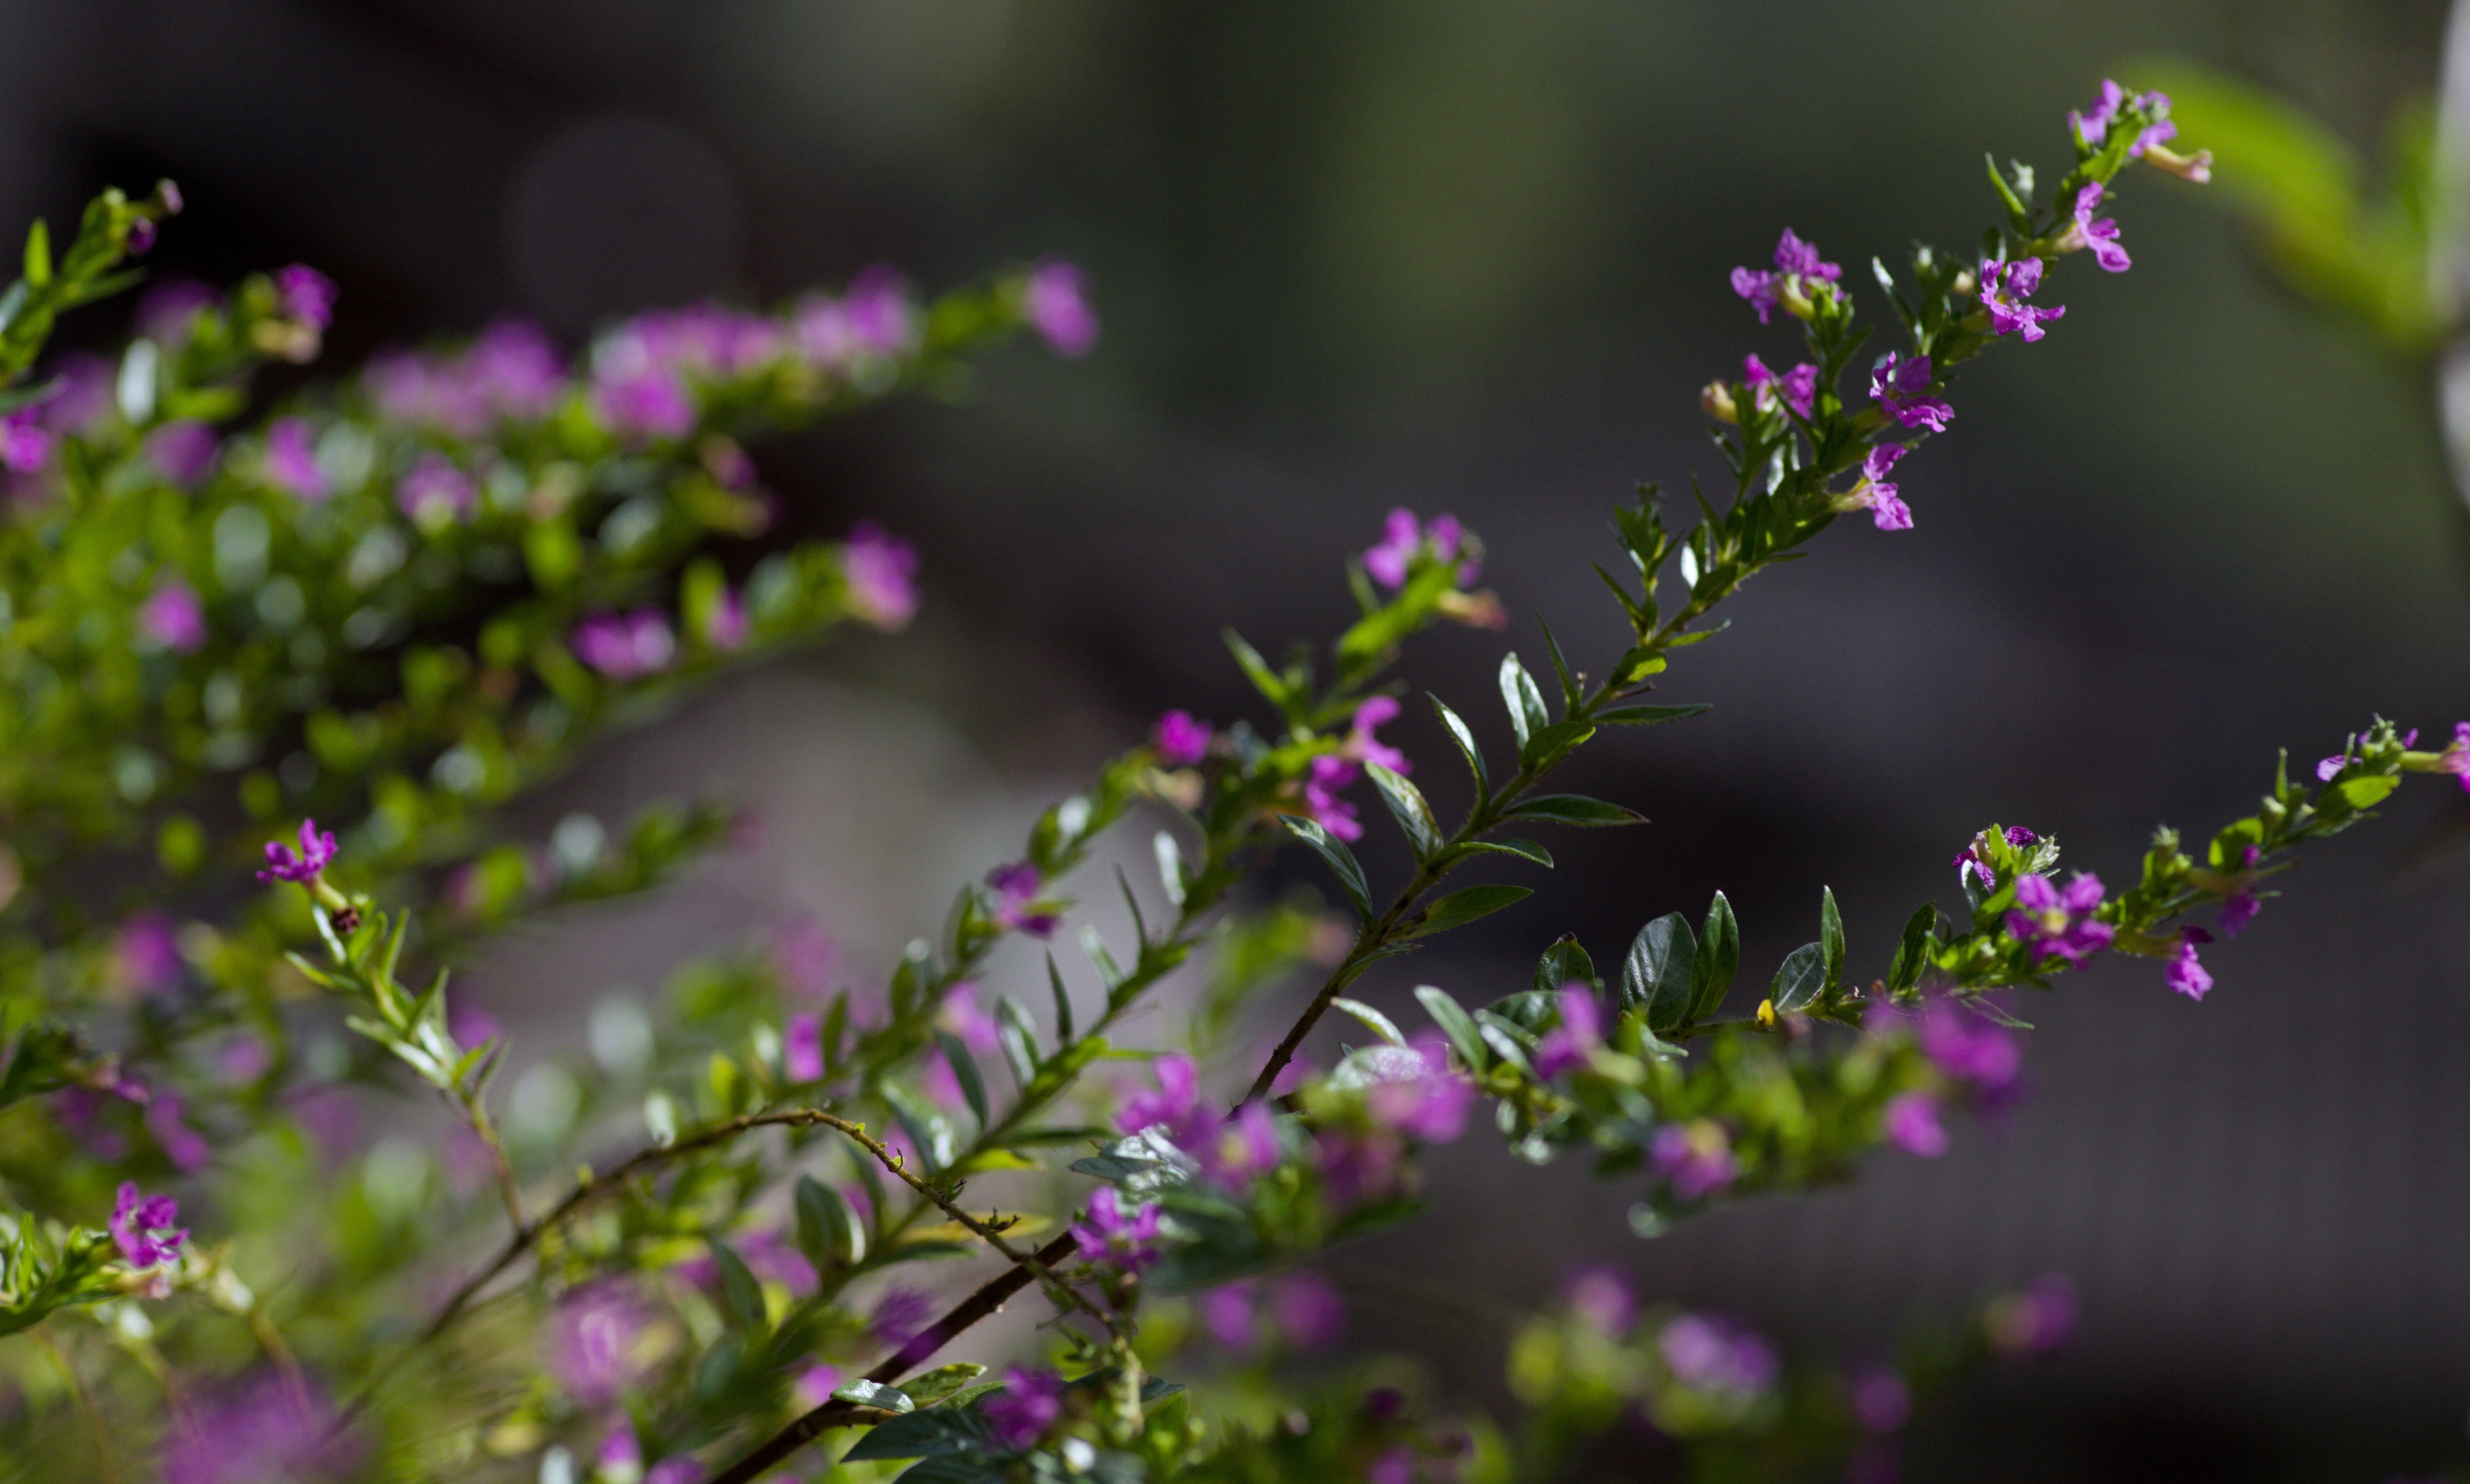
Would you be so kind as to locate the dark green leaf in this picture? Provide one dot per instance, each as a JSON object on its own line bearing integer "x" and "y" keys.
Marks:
{"x": 1018, "y": 1035}
{"x": 965, "y": 1468}
{"x": 1799, "y": 981}
{"x": 1660, "y": 974}
{"x": 829, "y": 1231}
{"x": 1647, "y": 716}
{"x": 1563, "y": 963}
{"x": 1573, "y": 809}
{"x": 1569, "y": 692}
{"x": 1720, "y": 956}
{"x": 1342, "y": 860}
{"x": 1063, "y": 1003}
{"x": 869, "y": 1393}
{"x": 1462, "y": 907}
{"x": 964, "y": 1071}
{"x": 1407, "y": 807}
{"x": 1505, "y": 1039}
{"x": 1523, "y": 849}
{"x": 1912, "y": 952}
{"x": 1454, "y": 1023}
{"x": 938, "y": 1430}
{"x": 929, "y": 1387}
{"x": 1257, "y": 670}
{"x": 1526, "y": 702}
{"x": 742, "y": 1297}
{"x": 930, "y": 1132}
{"x": 1552, "y": 743}
{"x": 1465, "y": 739}
{"x": 1830, "y": 935}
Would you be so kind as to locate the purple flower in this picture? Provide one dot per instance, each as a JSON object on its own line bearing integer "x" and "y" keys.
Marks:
{"x": 1240, "y": 1149}
{"x": 1708, "y": 1354}
{"x": 2184, "y": 973}
{"x": 513, "y": 369}
{"x": 1603, "y": 1299}
{"x": 881, "y": 570}
{"x": 2095, "y": 126}
{"x": 2238, "y": 911}
{"x": 1329, "y": 775}
{"x": 1404, "y": 538}
{"x": 1798, "y": 386}
{"x": 2058, "y": 921}
{"x": 165, "y": 313}
{"x": 1882, "y": 1401}
{"x": 183, "y": 1145}
{"x": 1362, "y": 746}
{"x": 1901, "y": 387}
{"x": 1396, "y": 1466}
{"x": 1968, "y": 1048}
{"x": 621, "y": 1450}
{"x": 816, "y": 1384}
{"x": 1912, "y": 1123}
{"x": 436, "y": 494}
{"x": 1432, "y": 1102}
{"x": 24, "y": 445}
{"x": 1227, "y": 1314}
{"x": 182, "y": 451}
{"x": 292, "y": 461}
{"x": 141, "y": 1228}
{"x": 307, "y": 295}
{"x": 1051, "y": 302}
{"x": 902, "y": 1315}
{"x": 173, "y": 618}
{"x": 267, "y": 1427}
{"x": 1974, "y": 858}
{"x": 1354, "y": 1168}
{"x": 1110, "y": 1233}
{"x": 1694, "y": 1158}
{"x": 317, "y": 852}
{"x": 724, "y": 626}
{"x": 1016, "y": 907}
{"x": 804, "y": 954}
{"x": 1876, "y": 494}
{"x": 1030, "y": 1402}
{"x": 680, "y": 1470}
{"x": 1181, "y": 741}
{"x": 648, "y": 402}
{"x": 1793, "y": 258}
{"x": 2035, "y": 1321}
{"x": 1174, "y": 1106}
{"x": 2101, "y": 236}
{"x": 802, "y": 1050}
{"x": 146, "y": 953}
{"x": 1568, "y": 1046}
{"x": 1307, "y": 1309}
{"x": 873, "y": 321}
{"x": 593, "y": 1340}
{"x": 2004, "y": 289}
{"x": 84, "y": 399}
{"x": 628, "y": 647}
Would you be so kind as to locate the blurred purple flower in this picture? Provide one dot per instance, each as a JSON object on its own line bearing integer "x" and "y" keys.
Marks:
{"x": 142, "y": 1229}
{"x": 264, "y": 1429}
{"x": 1882, "y": 1401}
{"x": 165, "y": 312}
{"x": 172, "y": 618}
{"x": 881, "y": 570}
{"x": 766, "y": 1253}
{"x": 182, "y": 451}
{"x": 1016, "y": 908}
{"x": 816, "y": 1384}
{"x": 1396, "y": 1466}
{"x": 1322, "y": 801}
{"x": 183, "y": 1145}
{"x": 2004, "y": 289}
{"x": 1430, "y": 1104}
{"x": 24, "y": 445}
{"x": 307, "y": 295}
{"x": 2184, "y": 973}
{"x": 1030, "y": 1402}
{"x": 2102, "y": 236}
{"x": 803, "y": 955}
{"x": 802, "y": 1048}
{"x": 1694, "y": 1158}
{"x": 628, "y": 647}
{"x": 1402, "y": 538}
{"x": 1568, "y": 1046}
{"x": 317, "y": 852}
{"x": 724, "y": 626}
{"x": 1901, "y": 387}
{"x": 1240, "y": 1149}
{"x": 2035, "y": 1321}
{"x": 1175, "y": 1107}
{"x": 592, "y": 1341}
{"x": 621, "y": 1452}
{"x": 1603, "y": 1299}
{"x": 1913, "y": 1124}
{"x": 1181, "y": 741}
{"x": 146, "y": 952}
{"x": 1708, "y": 1354}
{"x": 1111, "y": 1234}
{"x": 84, "y": 397}
{"x": 650, "y": 402}
{"x": 1227, "y": 1314}
{"x": 2058, "y": 921}
{"x": 1307, "y": 1309}
{"x": 674, "y": 1470}
{"x": 901, "y": 1314}
{"x": 1362, "y": 747}
{"x": 436, "y": 494}
{"x": 1968, "y": 1048}
{"x": 292, "y": 461}
{"x": 1877, "y": 494}
{"x": 1053, "y": 305}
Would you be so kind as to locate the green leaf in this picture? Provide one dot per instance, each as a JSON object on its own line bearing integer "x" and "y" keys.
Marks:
{"x": 1464, "y": 737}
{"x": 1504, "y": 1040}
{"x": 829, "y": 1231}
{"x": 1570, "y": 691}
{"x": 1912, "y": 952}
{"x": 1523, "y": 849}
{"x": 928, "y": 1434}
{"x": 1650, "y": 715}
{"x": 1526, "y": 702}
{"x": 964, "y": 1071}
{"x": 1407, "y": 807}
{"x": 929, "y": 1387}
{"x": 38, "y": 254}
{"x": 930, "y": 1132}
{"x": 1456, "y": 1024}
{"x": 1063, "y": 1003}
{"x": 1257, "y": 670}
{"x": 1562, "y": 962}
{"x": 1799, "y": 981}
{"x": 1018, "y": 1036}
{"x": 2018, "y": 216}
{"x": 1379, "y": 1023}
{"x": 1660, "y": 974}
{"x": 1459, "y": 908}
{"x": 2366, "y": 792}
{"x": 742, "y": 1297}
{"x": 1830, "y": 935}
{"x": 1170, "y": 865}
{"x": 968, "y": 1469}
{"x": 1720, "y": 956}
{"x": 876, "y": 1394}
{"x": 1573, "y": 809}
{"x": 1553, "y": 743}
{"x": 1342, "y": 860}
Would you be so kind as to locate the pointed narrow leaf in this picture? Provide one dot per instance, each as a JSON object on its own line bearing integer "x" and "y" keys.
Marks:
{"x": 1720, "y": 957}
{"x": 1063, "y": 1003}
{"x": 1912, "y": 952}
{"x": 1573, "y": 809}
{"x": 1526, "y": 702}
{"x": 1830, "y": 935}
{"x": 1170, "y": 865}
{"x": 1660, "y": 974}
{"x": 936, "y": 1432}
{"x": 1257, "y": 670}
{"x": 1563, "y": 963}
{"x": 1342, "y": 860}
{"x": 930, "y": 1132}
{"x": 1802, "y": 977}
{"x": 1505, "y": 1039}
{"x": 1018, "y": 1035}
{"x": 1100, "y": 957}
{"x": 1464, "y": 737}
{"x": 1569, "y": 692}
{"x": 1380, "y": 1025}
{"x": 1459, "y": 908}
{"x": 742, "y": 1297}
{"x": 1456, "y": 1024}
{"x": 1407, "y": 807}
{"x": 964, "y": 1071}
{"x": 829, "y": 1231}
{"x": 1523, "y": 849}
{"x": 1554, "y": 742}
{"x": 1650, "y": 715}
{"x": 869, "y": 1393}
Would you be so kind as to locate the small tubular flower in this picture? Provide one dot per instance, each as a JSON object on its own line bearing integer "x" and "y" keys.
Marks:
{"x": 317, "y": 851}
{"x": 1568, "y": 1046}
{"x": 1179, "y": 739}
{"x": 628, "y": 647}
{"x": 1030, "y": 1402}
{"x": 2004, "y": 289}
{"x": 2058, "y": 921}
{"x": 1901, "y": 388}
{"x": 174, "y": 617}
{"x": 1694, "y": 1158}
{"x": 1016, "y": 907}
{"x": 1912, "y": 1121}
{"x": 1793, "y": 258}
{"x": 1053, "y": 304}
{"x": 2184, "y": 973}
{"x": 142, "y": 1229}
{"x": 1111, "y": 1234}
{"x": 1876, "y": 492}
{"x": 881, "y": 570}
{"x": 2102, "y": 236}
{"x": 292, "y": 461}
{"x": 1798, "y": 386}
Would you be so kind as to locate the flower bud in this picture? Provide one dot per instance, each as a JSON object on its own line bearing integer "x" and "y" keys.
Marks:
{"x": 1965, "y": 284}
{"x": 2197, "y": 167}
{"x": 168, "y": 197}
{"x": 1794, "y": 295}
{"x": 1716, "y": 400}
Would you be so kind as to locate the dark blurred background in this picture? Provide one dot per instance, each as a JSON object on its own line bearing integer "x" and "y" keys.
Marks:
{"x": 1471, "y": 258}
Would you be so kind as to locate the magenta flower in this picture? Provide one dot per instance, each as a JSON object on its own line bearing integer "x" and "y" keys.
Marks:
{"x": 628, "y": 647}
{"x": 1016, "y": 907}
{"x": 146, "y": 953}
{"x": 24, "y": 445}
{"x": 1568, "y": 1046}
{"x": 142, "y": 1229}
{"x": 1974, "y": 859}
{"x": 2035, "y": 1321}
{"x": 1708, "y": 1354}
{"x": 173, "y": 618}
{"x": 1240, "y": 1149}
{"x": 436, "y": 494}
{"x": 183, "y": 1145}
{"x": 513, "y": 369}
{"x": 1052, "y": 303}
{"x": 880, "y": 319}
{"x": 593, "y": 1340}
{"x": 1883, "y": 1400}
{"x": 1306, "y": 1308}
{"x": 1694, "y": 1158}
{"x": 2058, "y": 921}
{"x": 1175, "y": 1107}
{"x": 1793, "y": 258}
{"x": 2004, "y": 289}
{"x": 2101, "y": 236}
{"x": 83, "y": 401}
{"x": 1798, "y": 386}
{"x": 1329, "y": 775}
{"x": 2455, "y": 760}
{"x": 1362, "y": 747}
{"x": 1432, "y": 1102}
{"x": 1901, "y": 387}
{"x": 1404, "y": 538}
{"x": 723, "y": 627}
{"x": 802, "y": 1048}
{"x": 1968, "y": 1048}
{"x": 1603, "y": 1299}
{"x": 1354, "y": 1168}
{"x": 2095, "y": 126}
{"x": 307, "y": 295}
{"x": 1227, "y": 1314}
{"x": 2184, "y": 973}
{"x": 1111, "y": 1234}
{"x": 680, "y": 1470}
{"x": 1181, "y": 741}
{"x": 1912, "y": 1124}
{"x": 2238, "y": 909}
{"x": 292, "y": 461}
{"x": 182, "y": 451}
{"x": 317, "y": 852}
{"x": 269, "y": 1426}
{"x": 1030, "y": 1402}
{"x": 881, "y": 570}
{"x": 649, "y": 402}
{"x": 1877, "y": 494}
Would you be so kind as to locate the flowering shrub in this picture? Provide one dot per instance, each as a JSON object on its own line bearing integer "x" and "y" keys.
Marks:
{"x": 328, "y": 647}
